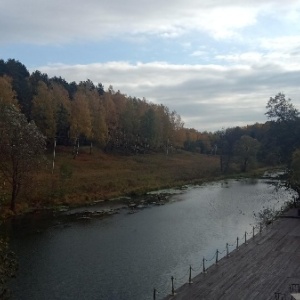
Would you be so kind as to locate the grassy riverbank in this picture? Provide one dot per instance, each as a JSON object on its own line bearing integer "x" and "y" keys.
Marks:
{"x": 101, "y": 176}
{"x": 98, "y": 175}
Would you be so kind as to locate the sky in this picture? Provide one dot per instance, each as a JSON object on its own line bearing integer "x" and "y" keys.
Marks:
{"x": 215, "y": 62}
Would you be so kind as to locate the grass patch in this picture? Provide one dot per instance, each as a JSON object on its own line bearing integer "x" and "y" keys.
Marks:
{"x": 97, "y": 176}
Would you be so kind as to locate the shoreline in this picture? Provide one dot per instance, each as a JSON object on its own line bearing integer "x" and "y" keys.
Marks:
{"x": 130, "y": 199}
{"x": 101, "y": 176}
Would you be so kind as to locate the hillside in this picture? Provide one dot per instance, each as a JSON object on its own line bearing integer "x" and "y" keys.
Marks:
{"x": 101, "y": 176}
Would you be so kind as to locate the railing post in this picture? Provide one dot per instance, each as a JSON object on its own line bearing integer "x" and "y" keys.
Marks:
{"x": 190, "y": 276}
{"x": 217, "y": 256}
{"x": 245, "y": 237}
{"x": 154, "y": 294}
{"x": 173, "y": 290}
{"x": 253, "y": 233}
{"x": 227, "y": 250}
{"x": 203, "y": 263}
{"x": 237, "y": 243}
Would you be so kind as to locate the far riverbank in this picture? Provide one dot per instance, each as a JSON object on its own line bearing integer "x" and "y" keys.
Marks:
{"x": 99, "y": 176}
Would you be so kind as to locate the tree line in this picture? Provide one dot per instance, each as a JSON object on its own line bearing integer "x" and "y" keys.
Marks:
{"x": 85, "y": 113}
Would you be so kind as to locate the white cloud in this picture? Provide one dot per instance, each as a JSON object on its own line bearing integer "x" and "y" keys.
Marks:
{"x": 281, "y": 51}
{"x": 282, "y": 43}
{"x": 46, "y": 22}
{"x": 224, "y": 22}
{"x": 242, "y": 58}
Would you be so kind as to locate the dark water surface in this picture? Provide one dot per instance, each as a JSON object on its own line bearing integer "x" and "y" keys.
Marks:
{"x": 125, "y": 256}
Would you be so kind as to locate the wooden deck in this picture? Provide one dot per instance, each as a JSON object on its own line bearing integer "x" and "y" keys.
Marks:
{"x": 268, "y": 264}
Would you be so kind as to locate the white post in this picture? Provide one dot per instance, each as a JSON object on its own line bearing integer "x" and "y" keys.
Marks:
{"x": 77, "y": 150}
{"x": 53, "y": 162}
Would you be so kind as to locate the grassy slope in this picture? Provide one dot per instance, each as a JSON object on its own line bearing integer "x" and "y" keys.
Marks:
{"x": 99, "y": 176}
{"x": 103, "y": 176}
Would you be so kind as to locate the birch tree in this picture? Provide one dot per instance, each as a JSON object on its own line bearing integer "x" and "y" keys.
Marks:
{"x": 44, "y": 110}
{"x": 81, "y": 122}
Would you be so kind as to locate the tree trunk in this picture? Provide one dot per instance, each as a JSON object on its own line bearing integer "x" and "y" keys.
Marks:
{"x": 13, "y": 197}
{"x": 245, "y": 164}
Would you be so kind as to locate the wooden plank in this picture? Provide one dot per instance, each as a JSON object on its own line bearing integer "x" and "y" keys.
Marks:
{"x": 268, "y": 264}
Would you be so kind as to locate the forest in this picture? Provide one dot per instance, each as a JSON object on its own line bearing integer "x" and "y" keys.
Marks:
{"x": 83, "y": 113}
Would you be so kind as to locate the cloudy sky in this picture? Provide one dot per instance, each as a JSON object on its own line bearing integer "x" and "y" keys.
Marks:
{"x": 216, "y": 62}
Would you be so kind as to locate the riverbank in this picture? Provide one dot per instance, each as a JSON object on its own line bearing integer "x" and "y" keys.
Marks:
{"x": 100, "y": 177}
{"x": 267, "y": 264}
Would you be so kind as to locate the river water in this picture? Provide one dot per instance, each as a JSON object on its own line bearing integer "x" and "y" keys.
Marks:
{"x": 125, "y": 256}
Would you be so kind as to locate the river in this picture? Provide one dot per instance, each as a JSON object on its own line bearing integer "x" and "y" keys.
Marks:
{"x": 125, "y": 256}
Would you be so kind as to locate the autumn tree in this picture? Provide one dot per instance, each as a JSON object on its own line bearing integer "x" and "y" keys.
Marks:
{"x": 62, "y": 106}
{"x": 111, "y": 112}
{"x": 7, "y": 94}
{"x": 69, "y": 111}
{"x": 115, "y": 105}
{"x": 177, "y": 126}
{"x": 148, "y": 127}
{"x": 81, "y": 122}
{"x": 130, "y": 125}
{"x": 20, "y": 82}
{"x": 285, "y": 125}
{"x": 164, "y": 132}
{"x": 226, "y": 144}
{"x": 201, "y": 142}
{"x": 246, "y": 149}
{"x": 97, "y": 113}
{"x": 191, "y": 138}
{"x": 180, "y": 137}
{"x": 44, "y": 110}
{"x": 21, "y": 147}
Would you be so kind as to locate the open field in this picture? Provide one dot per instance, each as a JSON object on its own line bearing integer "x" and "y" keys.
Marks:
{"x": 96, "y": 176}
{"x": 102, "y": 176}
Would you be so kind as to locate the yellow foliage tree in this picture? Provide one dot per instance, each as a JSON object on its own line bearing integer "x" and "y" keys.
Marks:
{"x": 63, "y": 111}
{"x": 7, "y": 95}
{"x": 81, "y": 123}
{"x": 99, "y": 128}
{"x": 44, "y": 110}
